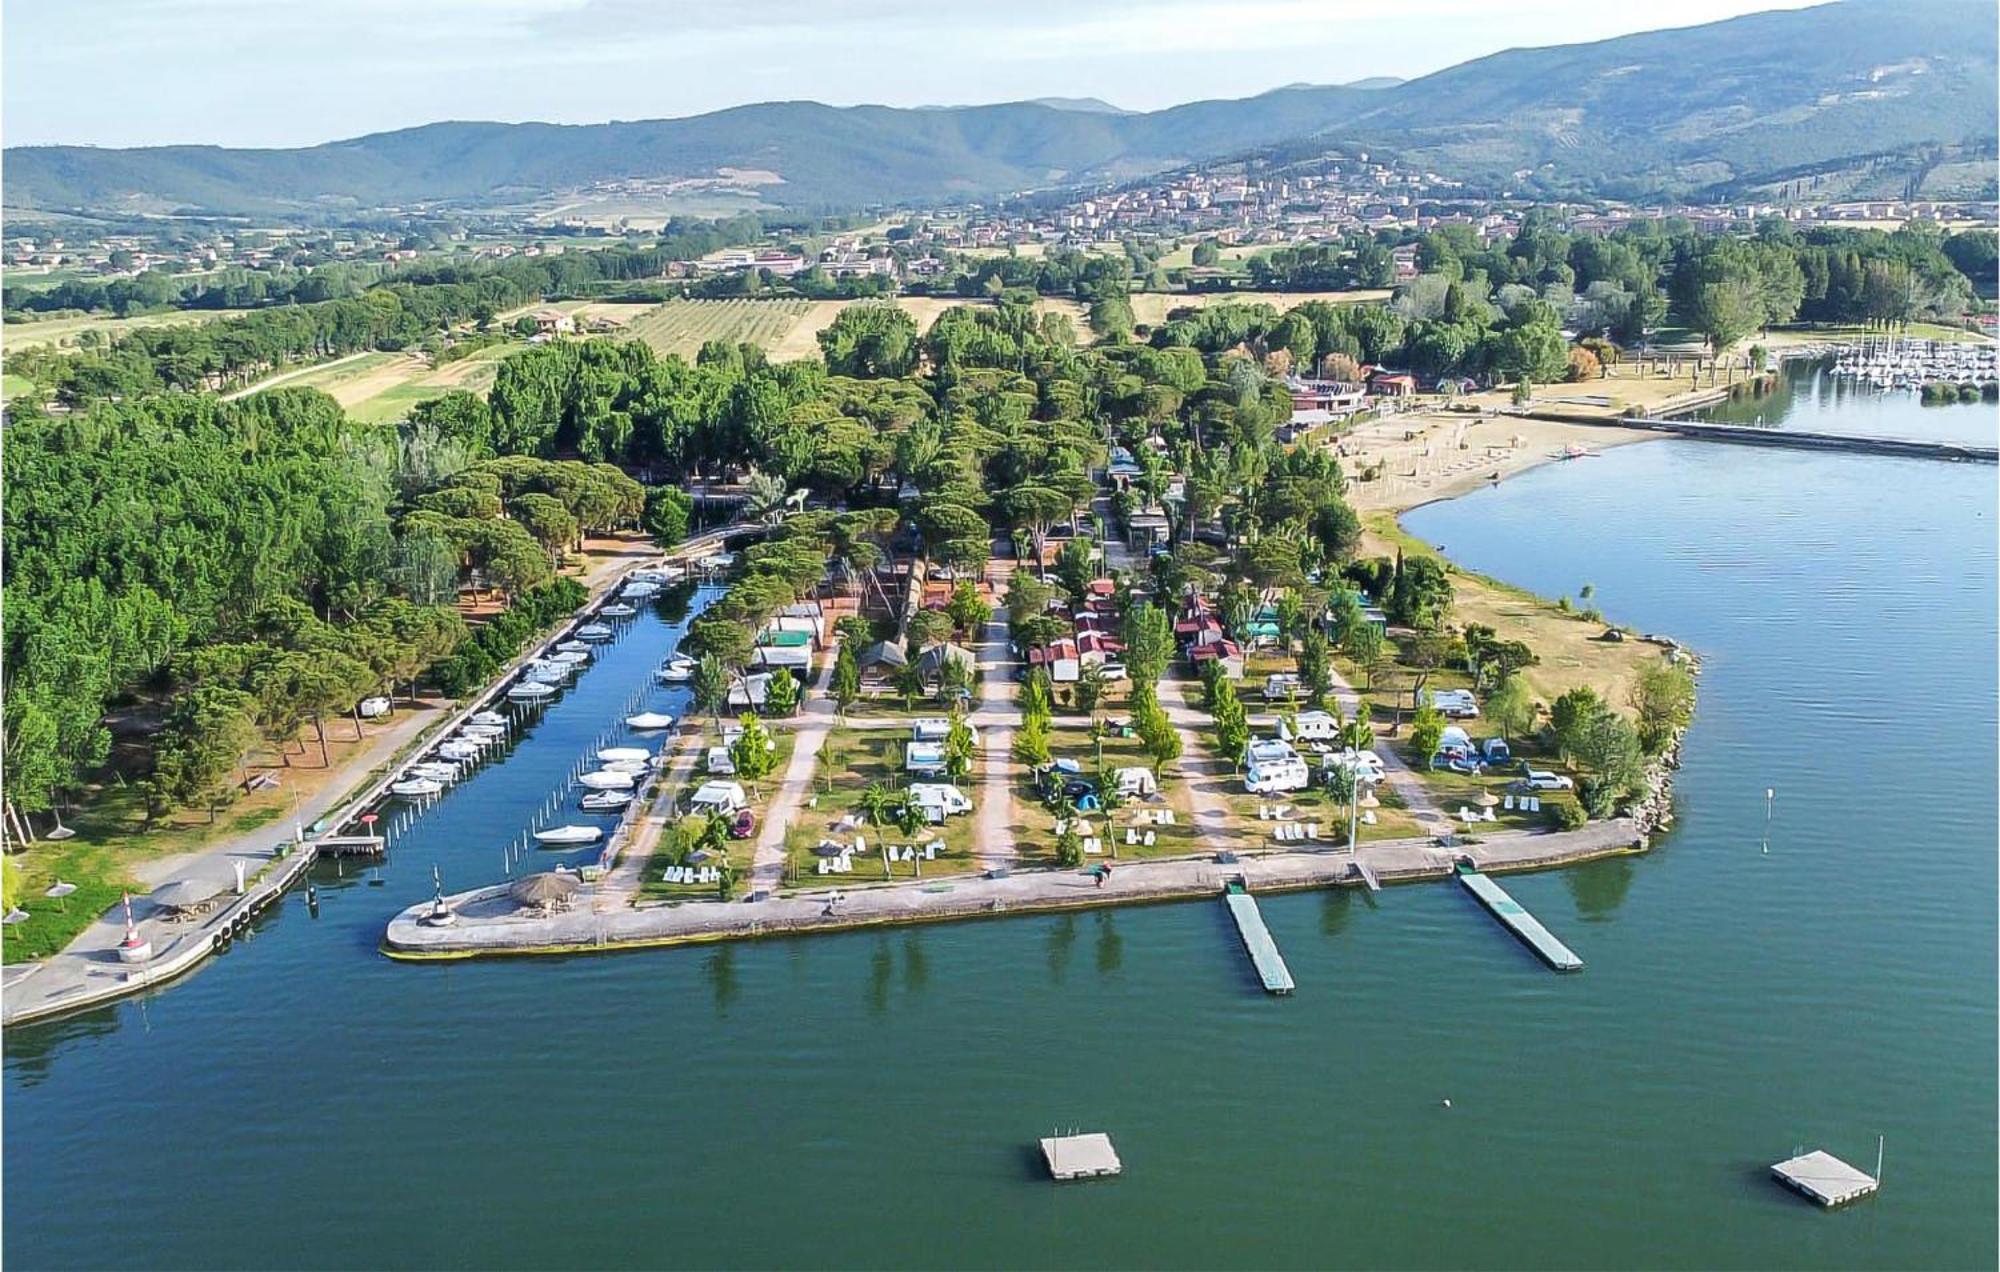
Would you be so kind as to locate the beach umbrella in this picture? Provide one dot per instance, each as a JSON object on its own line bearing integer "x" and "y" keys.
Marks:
{"x": 15, "y": 915}
{"x": 827, "y": 848}
{"x": 184, "y": 894}
{"x": 1487, "y": 799}
{"x": 543, "y": 889}
{"x": 59, "y": 890}
{"x": 1369, "y": 801}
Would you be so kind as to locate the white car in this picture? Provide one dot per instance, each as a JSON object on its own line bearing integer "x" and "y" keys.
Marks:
{"x": 1111, "y": 670}
{"x": 1541, "y": 780}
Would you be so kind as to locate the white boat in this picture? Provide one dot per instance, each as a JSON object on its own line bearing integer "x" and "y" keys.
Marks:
{"x": 649, "y": 720}
{"x": 416, "y": 787}
{"x": 593, "y": 631}
{"x": 604, "y": 801}
{"x": 626, "y": 766}
{"x": 560, "y": 835}
{"x": 569, "y": 657}
{"x": 617, "y": 609}
{"x": 609, "y": 780}
{"x": 640, "y": 590}
{"x": 436, "y": 771}
{"x": 480, "y": 737}
{"x": 531, "y": 691}
{"x": 612, "y": 754}
{"x": 488, "y": 720}
{"x": 573, "y": 647}
{"x": 677, "y": 670}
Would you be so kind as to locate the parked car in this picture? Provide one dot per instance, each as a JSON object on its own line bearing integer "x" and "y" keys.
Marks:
{"x": 1112, "y": 670}
{"x": 1542, "y": 780}
{"x": 745, "y": 824}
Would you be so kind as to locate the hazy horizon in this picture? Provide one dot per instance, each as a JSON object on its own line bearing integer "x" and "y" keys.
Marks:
{"x": 304, "y": 72}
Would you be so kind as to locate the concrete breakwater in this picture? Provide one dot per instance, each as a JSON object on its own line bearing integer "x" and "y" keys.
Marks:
{"x": 489, "y": 924}
{"x": 1791, "y": 439}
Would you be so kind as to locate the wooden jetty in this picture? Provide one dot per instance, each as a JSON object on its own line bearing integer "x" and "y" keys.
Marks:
{"x": 1518, "y": 921}
{"x": 351, "y": 845}
{"x": 1081, "y": 1156}
{"x": 1264, "y": 954}
{"x": 1824, "y": 1178}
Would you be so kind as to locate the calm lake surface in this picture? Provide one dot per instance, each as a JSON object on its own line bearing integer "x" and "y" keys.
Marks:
{"x": 871, "y": 1100}
{"x": 1809, "y": 398}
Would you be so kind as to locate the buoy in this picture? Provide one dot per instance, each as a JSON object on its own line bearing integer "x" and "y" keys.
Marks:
{"x": 1447, "y": 1103}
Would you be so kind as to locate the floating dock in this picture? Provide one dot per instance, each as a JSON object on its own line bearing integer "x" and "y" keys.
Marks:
{"x": 1824, "y": 1178}
{"x": 1081, "y": 1156}
{"x": 1264, "y": 954}
{"x": 1518, "y": 920}
{"x": 351, "y": 845}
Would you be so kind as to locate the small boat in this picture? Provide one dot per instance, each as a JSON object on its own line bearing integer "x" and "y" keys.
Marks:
{"x": 609, "y": 780}
{"x": 649, "y": 720}
{"x": 677, "y": 670}
{"x": 436, "y": 771}
{"x": 640, "y": 590}
{"x": 634, "y": 767}
{"x": 612, "y": 754}
{"x": 604, "y": 801}
{"x": 456, "y": 751}
{"x": 416, "y": 787}
{"x": 617, "y": 609}
{"x": 569, "y": 657}
{"x": 531, "y": 691}
{"x": 560, "y": 835}
{"x": 488, "y": 720}
{"x": 573, "y": 647}
{"x": 594, "y": 631}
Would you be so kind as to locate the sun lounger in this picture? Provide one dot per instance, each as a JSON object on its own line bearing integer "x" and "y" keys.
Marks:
{"x": 1487, "y": 815}
{"x": 1062, "y": 824}
{"x": 1368, "y": 817}
{"x": 1131, "y": 836}
{"x": 826, "y": 865}
{"x": 1149, "y": 839}
{"x": 1263, "y": 813}
{"x": 860, "y": 844}
{"x": 1508, "y": 803}
{"x": 1466, "y": 815}
{"x": 930, "y": 852}
{"x": 1534, "y": 803}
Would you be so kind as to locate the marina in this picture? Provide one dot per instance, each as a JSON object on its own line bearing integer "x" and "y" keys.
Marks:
{"x": 1517, "y": 920}
{"x": 1257, "y": 940}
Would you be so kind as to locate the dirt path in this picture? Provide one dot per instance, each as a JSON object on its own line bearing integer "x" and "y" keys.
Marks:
{"x": 286, "y": 377}
{"x": 993, "y": 839}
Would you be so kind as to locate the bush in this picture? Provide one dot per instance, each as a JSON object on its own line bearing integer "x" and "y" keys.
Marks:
{"x": 1566, "y": 814}
{"x": 1598, "y": 796}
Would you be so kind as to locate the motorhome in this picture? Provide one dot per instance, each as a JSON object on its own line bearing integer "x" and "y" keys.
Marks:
{"x": 938, "y": 800}
{"x": 1274, "y": 767}
{"x": 1309, "y": 726}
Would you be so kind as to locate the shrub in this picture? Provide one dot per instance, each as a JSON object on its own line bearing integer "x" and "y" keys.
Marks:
{"x": 1566, "y": 814}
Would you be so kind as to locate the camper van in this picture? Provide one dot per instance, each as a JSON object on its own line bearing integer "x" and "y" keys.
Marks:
{"x": 939, "y": 800}
{"x": 1310, "y": 726}
{"x": 717, "y": 797}
{"x": 924, "y": 757}
{"x": 1282, "y": 686}
{"x": 1274, "y": 767}
{"x": 1135, "y": 782}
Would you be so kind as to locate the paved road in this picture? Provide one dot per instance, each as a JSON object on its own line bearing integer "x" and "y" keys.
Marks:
{"x": 993, "y": 837}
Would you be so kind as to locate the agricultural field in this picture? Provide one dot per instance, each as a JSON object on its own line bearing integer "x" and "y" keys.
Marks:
{"x": 684, "y": 326}
{"x": 64, "y": 331}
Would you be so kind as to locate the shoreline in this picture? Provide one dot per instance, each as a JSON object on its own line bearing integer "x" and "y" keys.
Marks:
{"x": 490, "y": 927}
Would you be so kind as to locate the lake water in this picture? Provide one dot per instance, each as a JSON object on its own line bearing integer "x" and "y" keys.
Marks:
{"x": 871, "y": 1099}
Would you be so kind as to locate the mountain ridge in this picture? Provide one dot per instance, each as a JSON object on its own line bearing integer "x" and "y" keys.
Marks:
{"x": 1656, "y": 113}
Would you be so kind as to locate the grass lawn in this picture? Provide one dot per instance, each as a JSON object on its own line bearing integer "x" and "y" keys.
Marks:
{"x": 1316, "y": 807}
{"x": 849, "y": 762}
{"x": 741, "y": 852}
{"x": 13, "y": 386}
{"x": 1178, "y": 840}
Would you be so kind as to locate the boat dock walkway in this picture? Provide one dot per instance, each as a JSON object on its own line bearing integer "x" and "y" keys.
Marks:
{"x": 1264, "y": 954}
{"x": 1519, "y": 921}
{"x": 1369, "y": 879}
{"x": 1081, "y": 1156}
{"x": 1787, "y": 438}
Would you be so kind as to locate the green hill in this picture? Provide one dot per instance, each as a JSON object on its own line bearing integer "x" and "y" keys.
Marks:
{"x": 1721, "y": 105}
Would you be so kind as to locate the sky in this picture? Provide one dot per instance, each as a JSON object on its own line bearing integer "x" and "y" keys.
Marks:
{"x": 299, "y": 72}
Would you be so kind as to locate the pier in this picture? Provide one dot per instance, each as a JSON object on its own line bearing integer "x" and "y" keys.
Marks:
{"x": 1518, "y": 920}
{"x": 1790, "y": 439}
{"x": 351, "y": 845}
{"x": 1264, "y": 954}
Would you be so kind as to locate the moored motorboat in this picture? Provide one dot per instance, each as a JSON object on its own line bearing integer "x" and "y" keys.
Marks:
{"x": 573, "y": 647}
{"x": 593, "y": 631}
{"x": 487, "y": 719}
{"x": 435, "y": 770}
{"x": 649, "y": 720}
{"x": 617, "y": 609}
{"x": 563, "y": 835}
{"x": 677, "y": 670}
{"x": 609, "y": 780}
{"x": 531, "y": 691}
{"x": 416, "y": 787}
{"x": 605, "y": 801}
{"x": 613, "y": 754}
{"x": 569, "y": 657}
